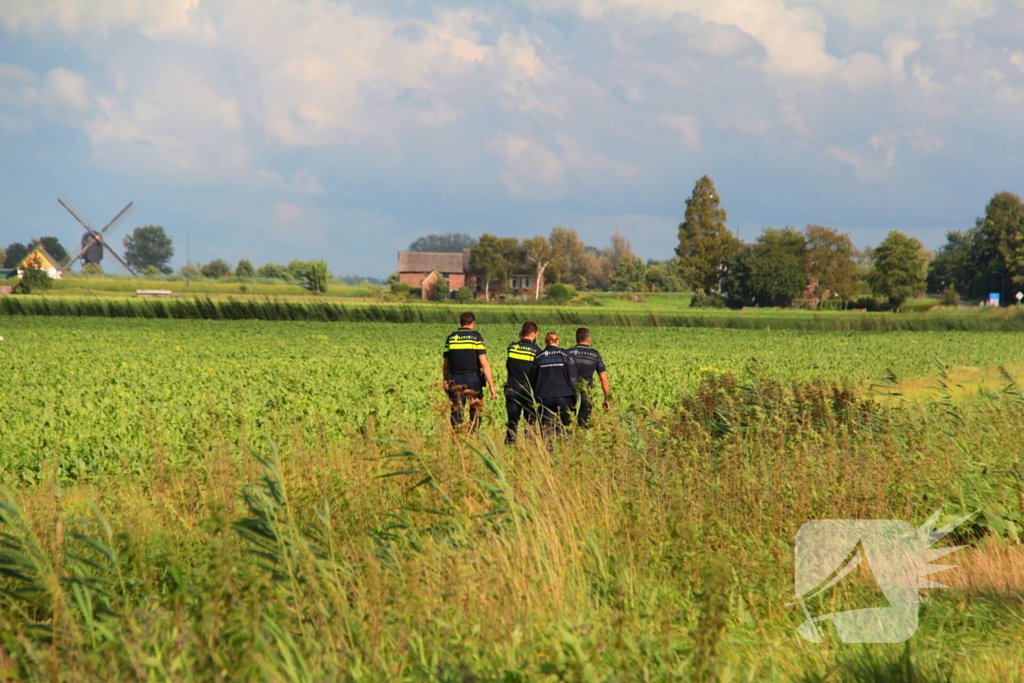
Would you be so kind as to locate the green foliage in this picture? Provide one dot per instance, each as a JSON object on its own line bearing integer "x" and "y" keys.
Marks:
{"x": 149, "y": 246}
{"x": 190, "y": 272}
{"x": 298, "y": 270}
{"x": 664, "y": 277}
{"x": 215, "y": 269}
{"x": 151, "y": 271}
{"x": 495, "y": 258}
{"x": 274, "y": 271}
{"x": 245, "y": 268}
{"x": 92, "y": 270}
{"x": 464, "y": 294}
{"x": 53, "y": 247}
{"x": 629, "y": 275}
{"x": 446, "y": 242}
{"x": 15, "y": 254}
{"x": 3, "y": 256}
{"x": 831, "y": 262}
{"x": 441, "y": 288}
{"x": 778, "y": 267}
{"x": 702, "y": 299}
{"x": 34, "y": 280}
{"x": 317, "y": 275}
{"x": 705, "y": 242}
{"x": 561, "y": 293}
{"x": 898, "y": 269}
{"x": 950, "y": 296}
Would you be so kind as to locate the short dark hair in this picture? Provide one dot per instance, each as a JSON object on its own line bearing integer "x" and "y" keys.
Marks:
{"x": 467, "y": 318}
{"x": 528, "y": 328}
{"x": 582, "y": 335}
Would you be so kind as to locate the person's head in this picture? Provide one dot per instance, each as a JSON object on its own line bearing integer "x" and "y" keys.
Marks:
{"x": 467, "y": 319}
{"x": 529, "y": 331}
{"x": 551, "y": 339}
{"x": 583, "y": 336}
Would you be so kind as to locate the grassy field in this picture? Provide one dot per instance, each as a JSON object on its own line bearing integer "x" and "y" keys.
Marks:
{"x": 232, "y": 500}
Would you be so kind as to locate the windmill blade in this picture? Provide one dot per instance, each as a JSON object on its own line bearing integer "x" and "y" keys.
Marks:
{"x": 124, "y": 212}
{"x": 66, "y": 203}
{"x": 78, "y": 255}
{"x": 120, "y": 260}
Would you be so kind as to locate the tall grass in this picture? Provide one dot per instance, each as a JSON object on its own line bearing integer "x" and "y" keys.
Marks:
{"x": 651, "y": 548}
{"x": 321, "y": 310}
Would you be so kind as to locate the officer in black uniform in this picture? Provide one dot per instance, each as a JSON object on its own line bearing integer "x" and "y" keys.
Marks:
{"x": 588, "y": 363}
{"x": 465, "y": 370}
{"x": 553, "y": 378}
{"x": 518, "y": 392}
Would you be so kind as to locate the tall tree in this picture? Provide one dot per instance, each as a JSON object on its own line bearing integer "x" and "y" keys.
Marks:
{"x": 215, "y": 269}
{"x": 898, "y": 268}
{"x": 16, "y": 253}
{"x": 489, "y": 258}
{"x": 705, "y": 242}
{"x": 628, "y": 270}
{"x": 1004, "y": 224}
{"x": 573, "y": 263}
{"x": 3, "y": 256}
{"x": 953, "y": 264}
{"x": 778, "y": 269}
{"x": 148, "y": 246}
{"x": 53, "y": 247}
{"x": 245, "y": 268}
{"x": 831, "y": 261}
{"x": 445, "y": 242}
{"x": 539, "y": 253}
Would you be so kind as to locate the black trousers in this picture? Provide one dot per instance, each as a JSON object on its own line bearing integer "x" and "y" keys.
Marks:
{"x": 518, "y": 406}
{"x": 586, "y": 408}
{"x": 463, "y": 390}
{"x": 558, "y": 409}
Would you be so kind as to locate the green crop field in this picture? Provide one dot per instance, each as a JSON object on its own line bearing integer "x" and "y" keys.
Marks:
{"x": 213, "y": 500}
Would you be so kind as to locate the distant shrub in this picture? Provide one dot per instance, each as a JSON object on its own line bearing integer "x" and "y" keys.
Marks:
{"x": 92, "y": 269}
{"x": 216, "y": 268}
{"x": 702, "y": 299}
{"x": 464, "y": 294}
{"x": 561, "y": 293}
{"x": 867, "y": 303}
{"x": 400, "y": 288}
{"x": 151, "y": 271}
{"x": 318, "y": 275}
{"x": 33, "y": 280}
{"x": 950, "y": 296}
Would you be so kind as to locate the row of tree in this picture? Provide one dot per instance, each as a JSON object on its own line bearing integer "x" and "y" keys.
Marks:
{"x": 986, "y": 258}
{"x": 314, "y": 273}
{"x": 785, "y": 265}
{"x": 147, "y": 248}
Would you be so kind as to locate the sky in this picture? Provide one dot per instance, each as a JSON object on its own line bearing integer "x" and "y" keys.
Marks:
{"x": 306, "y": 129}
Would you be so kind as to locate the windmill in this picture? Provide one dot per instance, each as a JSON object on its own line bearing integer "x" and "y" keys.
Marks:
{"x": 93, "y": 243}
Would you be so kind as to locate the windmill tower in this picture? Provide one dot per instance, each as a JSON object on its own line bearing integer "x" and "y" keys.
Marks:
{"x": 93, "y": 243}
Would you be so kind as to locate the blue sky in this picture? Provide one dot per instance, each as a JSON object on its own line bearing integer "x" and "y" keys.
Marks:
{"x": 310, "y": 128}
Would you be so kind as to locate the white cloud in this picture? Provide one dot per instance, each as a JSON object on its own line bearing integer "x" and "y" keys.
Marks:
{"x": 685, "y": 126}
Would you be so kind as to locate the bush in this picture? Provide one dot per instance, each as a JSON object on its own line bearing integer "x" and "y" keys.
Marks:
{"x": 441, "y": 288}
{"x": 274, "y": 271}
{"x": 33, "y": 279}
{"x": 318, "y": 275}
{"x": 400, "y": 288}
{"x": 950, "y": 296}
{"x": 866, "y": 303}
{"x": 245, "y": 269}
{"x": 464, "y": 294}
{"x": 216, "y": 269}
{"x": 151, "y": 271}
{"x": 702, "y": 299}
{"x": 92, "y": 269}
{"x": 560, "y": 293}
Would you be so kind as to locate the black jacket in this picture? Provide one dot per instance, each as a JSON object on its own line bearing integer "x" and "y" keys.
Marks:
{"x": 553, "y": 374}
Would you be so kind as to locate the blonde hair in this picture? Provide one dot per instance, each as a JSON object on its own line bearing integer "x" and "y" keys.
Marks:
{"x": 551, "y": 339}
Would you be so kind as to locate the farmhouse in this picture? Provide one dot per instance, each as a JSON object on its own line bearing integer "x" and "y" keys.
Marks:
{"x": 42, "y": 260}
{"x": 419, "y": 269}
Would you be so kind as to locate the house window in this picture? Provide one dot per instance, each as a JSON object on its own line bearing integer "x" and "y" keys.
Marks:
{"x": 521, "y": 282}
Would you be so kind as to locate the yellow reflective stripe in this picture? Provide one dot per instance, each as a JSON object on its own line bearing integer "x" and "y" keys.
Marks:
{"x": 520, "y": 356}
{"x": 457, "y": 346}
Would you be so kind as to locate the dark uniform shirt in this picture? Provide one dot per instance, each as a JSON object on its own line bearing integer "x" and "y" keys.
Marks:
{"x": 520, "y": 359}
{"x": 553, "y": 374}
{"x": 588, "y": 363}
{"x": 463, "y": 349}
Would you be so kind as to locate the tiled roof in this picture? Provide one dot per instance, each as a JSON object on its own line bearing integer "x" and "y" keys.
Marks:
{"x": 427, "y": 261}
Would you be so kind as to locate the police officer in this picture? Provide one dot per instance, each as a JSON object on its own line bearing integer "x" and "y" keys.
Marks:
{"x": 465, "y": 370}
{"x": 518, "y": 392}
{"x": 588, "y": 362}
{"x": 553, "y": 378}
